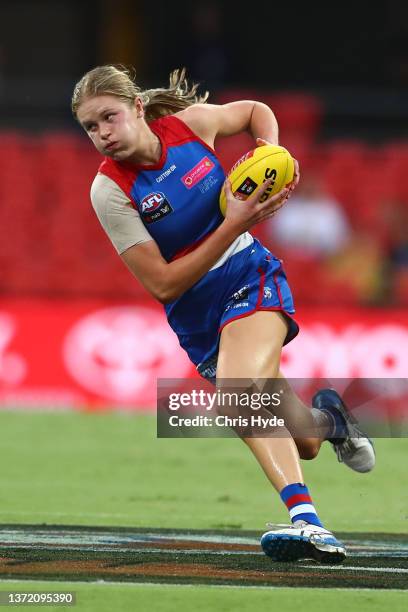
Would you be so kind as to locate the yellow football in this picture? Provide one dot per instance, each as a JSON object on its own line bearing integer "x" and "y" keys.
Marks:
{"x": 254, "y": 168}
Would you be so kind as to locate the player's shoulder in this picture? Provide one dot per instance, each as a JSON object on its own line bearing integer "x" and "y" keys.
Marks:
{"x": 213, "y": 116}
{"x": 202, "y": 119}
{"x": 105, "y": 190}
{"x": 103, "y": 186}
{"x": 197, "y": 111}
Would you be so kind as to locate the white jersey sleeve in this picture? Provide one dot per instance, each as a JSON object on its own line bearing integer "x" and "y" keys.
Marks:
{"x": 117, "y": 215}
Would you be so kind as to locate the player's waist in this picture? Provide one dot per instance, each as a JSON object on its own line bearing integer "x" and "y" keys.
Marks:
{"x": 242, "y": 242}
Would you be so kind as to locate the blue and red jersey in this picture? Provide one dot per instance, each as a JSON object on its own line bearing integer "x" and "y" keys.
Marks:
{"x": 177, "y": 198}
{"x": 178, "y": 201}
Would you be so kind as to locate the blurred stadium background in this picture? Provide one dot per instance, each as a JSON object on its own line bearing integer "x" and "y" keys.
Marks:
{"x": 338, "y": 87}
{"x": 77, "y": 331}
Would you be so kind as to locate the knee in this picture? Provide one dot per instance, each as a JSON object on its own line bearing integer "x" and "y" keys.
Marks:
{"x": 308, "y": 448}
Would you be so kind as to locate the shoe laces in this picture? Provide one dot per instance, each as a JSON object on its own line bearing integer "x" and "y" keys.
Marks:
{"x": 280, "y": 526}
{"x": 345, "y": 448}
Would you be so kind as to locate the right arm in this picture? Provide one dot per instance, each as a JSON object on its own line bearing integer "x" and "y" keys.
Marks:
{"x": 168, "y": 281}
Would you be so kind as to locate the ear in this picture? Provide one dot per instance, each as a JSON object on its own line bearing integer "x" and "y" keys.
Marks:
{"x": 139, "y": 107}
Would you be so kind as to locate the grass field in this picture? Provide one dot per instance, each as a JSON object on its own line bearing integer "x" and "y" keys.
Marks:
{"x": 129, "y": 597}
{"x": 111, "y": 470}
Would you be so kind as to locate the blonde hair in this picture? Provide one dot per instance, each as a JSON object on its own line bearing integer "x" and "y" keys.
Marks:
{"x": 119, "y": 81}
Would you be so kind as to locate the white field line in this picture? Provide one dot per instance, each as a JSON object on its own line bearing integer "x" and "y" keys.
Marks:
{"x": 361, "y": 547}
{"x": 344, "y": 568}
{"x": 173, "y": 551}
{"x": 183, "y": 551}
{"x": 355, "y": 568}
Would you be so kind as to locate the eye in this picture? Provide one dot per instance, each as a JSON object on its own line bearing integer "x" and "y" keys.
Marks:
{"x": 109, "y": 116}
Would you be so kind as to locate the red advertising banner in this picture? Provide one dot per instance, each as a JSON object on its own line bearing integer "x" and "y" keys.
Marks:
{"x": 102, "y": 355}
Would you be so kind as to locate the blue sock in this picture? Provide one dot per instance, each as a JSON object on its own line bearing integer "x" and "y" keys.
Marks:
{"x": 299, "y": 503}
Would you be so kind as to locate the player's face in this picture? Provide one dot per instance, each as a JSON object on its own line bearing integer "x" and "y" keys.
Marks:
{"x": 113, "y": 125}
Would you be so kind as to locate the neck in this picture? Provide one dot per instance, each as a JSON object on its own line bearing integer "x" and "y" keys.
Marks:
{"x": 151, "y": 151}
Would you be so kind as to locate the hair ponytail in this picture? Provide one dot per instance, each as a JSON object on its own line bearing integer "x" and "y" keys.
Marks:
{"x": 179, "y": 95}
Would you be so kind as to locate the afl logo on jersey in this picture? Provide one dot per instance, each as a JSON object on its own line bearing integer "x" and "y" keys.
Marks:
{"x": 154, "y": 206}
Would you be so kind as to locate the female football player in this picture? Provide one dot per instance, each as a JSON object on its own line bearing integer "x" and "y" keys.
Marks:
{"x": 226, "y": 296}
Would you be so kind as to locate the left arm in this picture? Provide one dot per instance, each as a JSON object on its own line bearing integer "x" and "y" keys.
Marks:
{"x": 211, "y": 120}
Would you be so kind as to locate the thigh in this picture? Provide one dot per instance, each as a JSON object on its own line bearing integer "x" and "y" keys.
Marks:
{"x": 248, "y": 363}
{"x": 251, "y": 347}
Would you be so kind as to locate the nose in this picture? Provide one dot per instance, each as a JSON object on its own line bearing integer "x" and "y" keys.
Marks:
{"x": 105, "y": 132}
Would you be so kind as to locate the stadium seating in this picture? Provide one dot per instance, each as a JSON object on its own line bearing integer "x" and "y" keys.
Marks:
{"x": 52, "y": 244}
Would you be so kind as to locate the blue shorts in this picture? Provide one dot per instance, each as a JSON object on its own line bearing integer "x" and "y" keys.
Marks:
{"x": 249, "y": 281}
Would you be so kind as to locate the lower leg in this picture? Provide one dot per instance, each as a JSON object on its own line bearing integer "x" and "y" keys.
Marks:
{"x": 279, "y": 459}
{"x": 310, "y": 427}
{"x": 262, "y": 335}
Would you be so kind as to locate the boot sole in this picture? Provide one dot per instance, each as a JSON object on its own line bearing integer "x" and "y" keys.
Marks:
{"x": 285, "y": 548}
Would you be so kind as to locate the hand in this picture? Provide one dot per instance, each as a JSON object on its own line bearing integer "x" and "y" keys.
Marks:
{"x": 260, "y": 142}
{"x": 245, "y": 214}
{"x": 296, "y": 175}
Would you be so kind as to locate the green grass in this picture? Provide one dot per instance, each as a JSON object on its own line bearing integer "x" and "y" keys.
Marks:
{"x": 106, "y": 597}
{"x": 110, "y": 469}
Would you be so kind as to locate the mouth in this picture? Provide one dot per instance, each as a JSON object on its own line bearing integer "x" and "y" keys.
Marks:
{"x": 111, "y": 146}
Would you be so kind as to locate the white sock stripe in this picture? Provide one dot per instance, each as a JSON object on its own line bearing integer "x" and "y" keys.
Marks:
{"x": 302, "y": 509}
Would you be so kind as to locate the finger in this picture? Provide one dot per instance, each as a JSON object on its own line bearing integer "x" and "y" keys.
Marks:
{"x": 272, "y": 213}
{"x": 272, "y": 204}
{"x": 261, "y": 142}
{"x": 278, "y": 207}
{"x": 296, "y": 173}
{"x": 227, "y": 187}
{"x": 260, "y": 191}
{"x": 296, "y": 177}
{"x": 276, "y": 198}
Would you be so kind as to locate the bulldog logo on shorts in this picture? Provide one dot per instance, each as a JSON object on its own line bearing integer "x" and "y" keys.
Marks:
{"x": 241, "y": 294}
